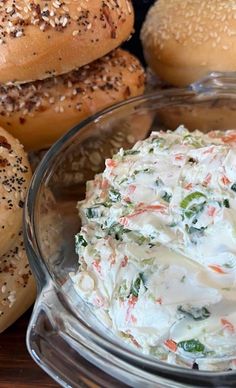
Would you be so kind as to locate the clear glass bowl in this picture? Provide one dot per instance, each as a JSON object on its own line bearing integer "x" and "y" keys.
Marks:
{"x": 63, "y": 336}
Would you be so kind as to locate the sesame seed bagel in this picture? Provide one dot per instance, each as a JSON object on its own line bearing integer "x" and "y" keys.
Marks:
{"x": 40, "y": 38}
{"x": 17, "y": 285}
{"x": 39, "y": 113}
{"x": 216, "y": 114}
{"x": 183, "y": 40}
{"x": 15, "y": 175}
{"x": 83, "y": 162}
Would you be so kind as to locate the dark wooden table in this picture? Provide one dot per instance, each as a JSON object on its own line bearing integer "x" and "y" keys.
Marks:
{"x": 17, "y": 369}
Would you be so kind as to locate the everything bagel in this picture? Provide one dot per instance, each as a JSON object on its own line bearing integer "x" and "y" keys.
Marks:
{"x": 39, "y": 38}
{"x": 38, "y": 113}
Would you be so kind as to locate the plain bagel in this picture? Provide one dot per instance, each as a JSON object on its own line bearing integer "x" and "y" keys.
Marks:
{"x": 41, "y": 38}
{"x": 17, "y": 285}
{"x": 15, "y": 175}
{"x": 39, "y": 113}
{"x": 183, "y": 40}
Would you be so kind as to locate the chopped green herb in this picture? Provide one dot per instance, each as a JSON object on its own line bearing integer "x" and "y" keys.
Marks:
{"x": 142, "y": 278}
{"x": 233, "y": 187}
{"x": 183, "y": 279}
{"x": 131, "y": 152}
{"x": 159, "y": 141}
{"x": 158, "y": 182}
{"x": 136, "y": 285}
{"x": 194, "y": 141}
{"x": 116, "y": 231}
{"x": 114, "y": 195}
{"x": 228, "y": 265}
{"x": 105, "y": 204}
{"x": 226, "y": 203}
{"x": 93, "y": 212}
{"x": 193, "y": 204}
{"x": 142, "y": 240}
{"x": 123, "y": 290}
{"x": 194, "y": 210}
{"x": 148, "y": 261}
{"x": 167, "y": 197}
{"x": 81, "y": 241}
{"x": 151, "y": 151}
{"x": 123, "y": 180}
{"x": 187, "y": 200}
{"x": 192, "y": 230}
{"x": 198, "y": 314}
{"x": 145, "y": 170}
{"x": 192, "y": 346}
{"x": 172, "y": 225}
{"x": 188, "y": 137}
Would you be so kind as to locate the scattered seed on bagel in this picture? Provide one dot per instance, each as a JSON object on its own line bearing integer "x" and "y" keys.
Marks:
{"x": 40, "y": 38}
{"x": 38, "y": 113}
{"x": 17, "y": 285}
{"x": 15, "y": 175}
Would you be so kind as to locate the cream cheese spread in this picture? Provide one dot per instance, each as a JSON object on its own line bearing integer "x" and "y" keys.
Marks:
{"x": 157, "y": 247}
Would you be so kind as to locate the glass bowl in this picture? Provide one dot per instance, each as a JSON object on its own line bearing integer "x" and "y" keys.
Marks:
{"x": 63, "y": 336}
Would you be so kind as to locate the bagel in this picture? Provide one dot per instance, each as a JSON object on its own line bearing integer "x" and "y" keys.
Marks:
{"x": 17, "y": 285}
{"x": 209, "y": 115}
{"x": 82, "y": 162}
{"x": 39, "y": 113}
{"x": 15, "y": 175}
{"x": 41, "y": 38}
{"x": 183, "y": 40}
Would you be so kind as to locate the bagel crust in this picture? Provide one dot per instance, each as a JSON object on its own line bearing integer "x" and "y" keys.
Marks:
{"x": 15, "y": 175}
{"x": 40, "y": 38}
{"x": 183, "y": 40}
{"x": 39, "y": 113}
{"x": 17, "y": 285}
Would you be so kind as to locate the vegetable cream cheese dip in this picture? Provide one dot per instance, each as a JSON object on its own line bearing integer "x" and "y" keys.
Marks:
{"x": 157, "y": 247}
